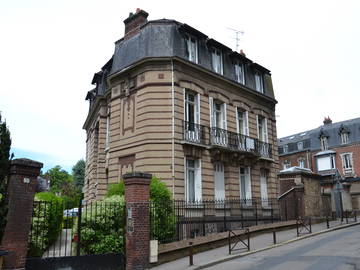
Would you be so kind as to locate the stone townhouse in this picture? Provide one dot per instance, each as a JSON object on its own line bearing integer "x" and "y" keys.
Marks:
{"x": 175, "y": 103}
{"x": 331, "y": 149}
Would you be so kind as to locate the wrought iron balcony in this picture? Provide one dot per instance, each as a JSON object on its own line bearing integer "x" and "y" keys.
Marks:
{"x": 217, "y": 137}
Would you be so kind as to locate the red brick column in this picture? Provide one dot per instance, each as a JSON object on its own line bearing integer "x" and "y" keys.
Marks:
{"x": 137, "y": 195}
{"x": 21, "y": 189}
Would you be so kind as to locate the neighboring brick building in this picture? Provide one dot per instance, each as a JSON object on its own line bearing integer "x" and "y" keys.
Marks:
{"x": 181, "y": 106}
{"x": 324, "y": 150}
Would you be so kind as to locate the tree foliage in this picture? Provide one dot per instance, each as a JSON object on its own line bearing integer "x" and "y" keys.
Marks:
{"x": 78, "y": 174}
{"x": 59, "y": 179}
{"x": 5, "y": 144}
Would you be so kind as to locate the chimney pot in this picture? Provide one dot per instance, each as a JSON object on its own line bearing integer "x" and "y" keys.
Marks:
{"x": 327, "y": 121}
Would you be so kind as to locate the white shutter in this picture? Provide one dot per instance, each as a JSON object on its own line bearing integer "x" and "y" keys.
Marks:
{"x": 257, "y": 126}
{"x": 197, "y": 108}
{"x": 248, "y": 184}
{"x": 246, "y": 123}
{"x": 211, "y": 102}
{"x": 223, "y": 116}
{"x": 265, "y": 131}
{"x": 237, "y": 120}
{"x": 263, "y": 185}
{"x": 198, "y": 193}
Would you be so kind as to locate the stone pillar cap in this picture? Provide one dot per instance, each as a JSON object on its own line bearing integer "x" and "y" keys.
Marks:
{"x": 27, "y": 162}
{"x": 137, "y": 175}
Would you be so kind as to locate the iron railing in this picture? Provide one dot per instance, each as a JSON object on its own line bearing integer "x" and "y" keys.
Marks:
{"x": 217, "y": 137}
{"x": 183, "y": 220}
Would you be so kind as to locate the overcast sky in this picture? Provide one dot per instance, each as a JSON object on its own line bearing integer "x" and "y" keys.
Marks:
{"x": 49, "y": 51}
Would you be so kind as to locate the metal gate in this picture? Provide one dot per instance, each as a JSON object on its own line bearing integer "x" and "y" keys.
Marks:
{"x": 89, "y": 236}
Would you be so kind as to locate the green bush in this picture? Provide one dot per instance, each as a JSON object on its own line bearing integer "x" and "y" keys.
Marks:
{"x": 46, "y": 222}
{"x": 163, "y": 220}
{"x": 103, "y": 226}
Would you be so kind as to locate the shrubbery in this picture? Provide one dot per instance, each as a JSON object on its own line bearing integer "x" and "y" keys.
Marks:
{"x": 46, "y": 222}
{"x": 103, "y": 226}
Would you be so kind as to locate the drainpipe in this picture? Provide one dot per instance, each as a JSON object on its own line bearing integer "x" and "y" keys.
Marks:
{"x": 173, "y": 128}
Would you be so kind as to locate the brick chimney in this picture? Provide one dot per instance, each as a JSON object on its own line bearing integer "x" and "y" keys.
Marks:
{"x": 327, "y": 121}
{"x": 134, "y": 21}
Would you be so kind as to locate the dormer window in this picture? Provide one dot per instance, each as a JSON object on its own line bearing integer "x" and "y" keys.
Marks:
{"x": 191, "y": 48}
{"x": 300, "y": 146}
{"x": 259, "y": 83}
{"x": 344, "y": 137}
{"x": 239, "y": 73}
{"x": 217, "y": 61}
{"x": 324, "y": 143}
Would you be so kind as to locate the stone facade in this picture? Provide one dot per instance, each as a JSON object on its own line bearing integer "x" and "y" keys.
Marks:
{"x": 138, "y": 124}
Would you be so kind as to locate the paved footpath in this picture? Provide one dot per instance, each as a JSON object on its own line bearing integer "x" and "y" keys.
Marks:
{"x": 258, "y": 243}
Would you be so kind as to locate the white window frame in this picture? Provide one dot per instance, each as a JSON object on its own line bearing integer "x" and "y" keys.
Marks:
{"x": 192, "y": 48}
{"x": 285, "y": 148}
{"x": 301, "y": 162}
{"x": 239, "y": 72}
{"x": 300, "y": 145}
{"x": 259, "y": 81}
{"x": 264, "y": 187}
{"x": 324, "y": 143}
{"x": 244, "y": 119}
{"x": 286, "y": 164}
{"x": 217, "y": 61}
{"x": 347, "y": 162}
{"x": 245, "y": 177}
{"x": 196, "y": 169}
{"x": 321, "y": 161}
{"x": 344, "y": 137}
{"x": 263, "y": 130}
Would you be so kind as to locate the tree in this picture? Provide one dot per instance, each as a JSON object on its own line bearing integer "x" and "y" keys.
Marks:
{"x": 78, "y": 173}
{"x": 58, "y": 178}
{"x": 5, "y": 144}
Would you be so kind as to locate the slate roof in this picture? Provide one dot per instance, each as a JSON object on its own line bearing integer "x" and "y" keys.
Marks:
{"x": 331, "y": 131}
{"x": 165, "y": 38}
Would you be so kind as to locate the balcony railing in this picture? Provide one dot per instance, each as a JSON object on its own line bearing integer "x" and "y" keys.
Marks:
{"x": 232, "y": 141}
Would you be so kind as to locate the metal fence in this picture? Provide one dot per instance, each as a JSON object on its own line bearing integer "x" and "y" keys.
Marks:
{"x": 181, "y": 220}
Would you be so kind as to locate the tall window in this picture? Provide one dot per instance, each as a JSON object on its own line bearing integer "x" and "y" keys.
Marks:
{"x": 218, "y": 123}
{"x": 217, "y": 61}
{"x": 193, "y": 180}
{"x": 239, "y": 73}
{"x": 245, "y": 185}
{"x": 192, "y": 116}
{"x": 301, "y": 162}
{"x": 263, "y": 187}
{"x": 344, "y": 137}
{"x": 347, "y": 162}
{"x": 262, "y": 128}
{"x": 242, "y": 122}
{"x": 324, "y": 143}
{"x": 259, "y": 82}
{"x": 191, "y": 48}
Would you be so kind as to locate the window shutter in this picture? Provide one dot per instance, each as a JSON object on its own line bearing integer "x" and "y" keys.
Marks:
{"x": 266, "y": 131}
{"x": 223, "y": 115}
{"x": 246, "y": 121}
{"x": 211, "y": 103}
{"x": 257, "y": 126}
{"x": 198, "y": 180}
{"x": 197, "y": 106}
{"x": 184, "y": 98}
{"x": 248, "y": 184}
{"x": 237, "y": 120}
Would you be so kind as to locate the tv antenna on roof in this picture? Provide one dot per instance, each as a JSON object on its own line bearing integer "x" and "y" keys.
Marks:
{"x": 238, "y": 34}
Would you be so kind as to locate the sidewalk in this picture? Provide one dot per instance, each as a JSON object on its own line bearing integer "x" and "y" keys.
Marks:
{"x": 257, "y": 243}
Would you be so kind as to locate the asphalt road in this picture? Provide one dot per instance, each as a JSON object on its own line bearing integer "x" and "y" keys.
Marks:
{"x": 336, "y": 250}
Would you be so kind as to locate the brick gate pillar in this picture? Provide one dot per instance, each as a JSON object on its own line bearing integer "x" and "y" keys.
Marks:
{"x": 21, "y": 189}
{"x": 137, "y": 196}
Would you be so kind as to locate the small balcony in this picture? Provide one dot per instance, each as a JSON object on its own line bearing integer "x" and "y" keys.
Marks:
{"x": 224, "y": 139}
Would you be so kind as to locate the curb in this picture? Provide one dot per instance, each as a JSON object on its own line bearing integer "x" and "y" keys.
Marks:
{"x": 232, "y": 257}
